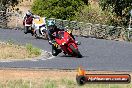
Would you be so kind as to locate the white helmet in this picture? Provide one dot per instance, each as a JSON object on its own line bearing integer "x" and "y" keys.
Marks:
{"x": 28, "y": 13}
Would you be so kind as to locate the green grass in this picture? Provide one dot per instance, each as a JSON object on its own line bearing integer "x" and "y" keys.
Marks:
{"x": 15, "y": 84}
{"x": 33, "y": 50}
{"x": 10, "y": 42}
{"x": 63, "y": 83}
{"x": 49, "y": 84}
{"x": 68, "y": 83}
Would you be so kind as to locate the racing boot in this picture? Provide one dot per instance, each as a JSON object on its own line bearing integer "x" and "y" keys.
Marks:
{"x": 25, "y": 29}
{"x": 32, "y": 32}
{"x": 55, "y": 51}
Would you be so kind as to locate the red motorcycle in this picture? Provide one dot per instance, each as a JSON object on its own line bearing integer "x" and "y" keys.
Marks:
{"x": 67, "y": 44}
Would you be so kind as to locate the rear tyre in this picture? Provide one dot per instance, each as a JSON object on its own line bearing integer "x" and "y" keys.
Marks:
{"x": 75, "y": 52}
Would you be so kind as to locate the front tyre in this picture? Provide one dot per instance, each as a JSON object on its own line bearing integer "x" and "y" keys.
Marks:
{"x": 75, "y": 52}
{"x": 43, "y": 32}
{"x": 45, "y": 36}
{"x": 55, "y": 51}
{"x": 36, "y": 35}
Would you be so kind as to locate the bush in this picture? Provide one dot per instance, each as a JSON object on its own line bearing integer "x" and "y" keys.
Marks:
{"x": 33, "y": 50}
{"x": 93, "y": 14}
{"x": 61, "y": 9}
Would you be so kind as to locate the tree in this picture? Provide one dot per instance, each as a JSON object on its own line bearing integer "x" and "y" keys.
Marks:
{"x": 6, "y": 3}
{"x": 10, "y": 2}
{"x": 119, "y": 8}
{"x": 62, "y": 9}
{"x": 85, "y": 1}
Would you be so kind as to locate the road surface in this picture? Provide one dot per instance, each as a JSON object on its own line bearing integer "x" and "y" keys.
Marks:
{"x": 97, "y": 54}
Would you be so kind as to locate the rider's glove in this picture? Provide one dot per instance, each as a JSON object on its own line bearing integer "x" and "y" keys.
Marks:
{"x": 56, "y": 45}
{"x": 50, "y": 42}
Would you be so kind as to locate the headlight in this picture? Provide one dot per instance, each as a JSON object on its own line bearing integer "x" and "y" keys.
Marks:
{"x": 63, "y": 43}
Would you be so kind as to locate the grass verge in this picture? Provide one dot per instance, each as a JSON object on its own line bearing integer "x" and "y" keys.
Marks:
{"x": 49, "y": 79}
{"x": 11, "y": 51}
{"x": 33, "y": 50}
{"x": 56, "y": 84}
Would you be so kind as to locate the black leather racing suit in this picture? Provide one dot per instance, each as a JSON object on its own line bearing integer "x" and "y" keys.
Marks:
{"x": 51, "y": 30}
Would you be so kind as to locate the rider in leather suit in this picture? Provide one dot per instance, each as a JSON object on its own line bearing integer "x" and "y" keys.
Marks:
{"x": 51, "y": 29}
{"x": 27, "y": 22}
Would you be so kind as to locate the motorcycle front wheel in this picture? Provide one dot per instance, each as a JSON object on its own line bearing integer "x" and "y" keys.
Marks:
{"x": 75, "y": 52}
{"x": 45, "y": 36}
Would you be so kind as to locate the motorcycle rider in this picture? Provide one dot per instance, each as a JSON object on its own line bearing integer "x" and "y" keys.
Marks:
{"x": 27, "y": 22}
{"x": 52, "y": 28}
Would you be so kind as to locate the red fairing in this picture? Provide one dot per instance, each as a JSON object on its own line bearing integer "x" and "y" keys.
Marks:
{"x": 65, "y": 40}
{"x": 74, "y": 44}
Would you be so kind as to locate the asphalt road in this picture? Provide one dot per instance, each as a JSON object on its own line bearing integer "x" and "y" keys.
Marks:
{"x": 97, "y": 54}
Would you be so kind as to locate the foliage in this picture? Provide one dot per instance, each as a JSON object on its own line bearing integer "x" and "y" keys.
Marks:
{"x": 117, "y": 6}
{"x": 62, "y": 9}
{"x": 10, "y": 42}
{"x": 85, "y": 1}
{"x": 49, "y": 84}
{"x": 93, "y": 14}
{"x": 17, "y": 84}
{"x": 60, "y": 83}
{"x": 119, "y": 9}
{"x": 68, "y": 83}
{"x": 6, "y": 3}
{"x": 33, "y": 50}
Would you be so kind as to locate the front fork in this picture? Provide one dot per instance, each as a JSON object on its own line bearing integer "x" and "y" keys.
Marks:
{"x": 74, "y": 45}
